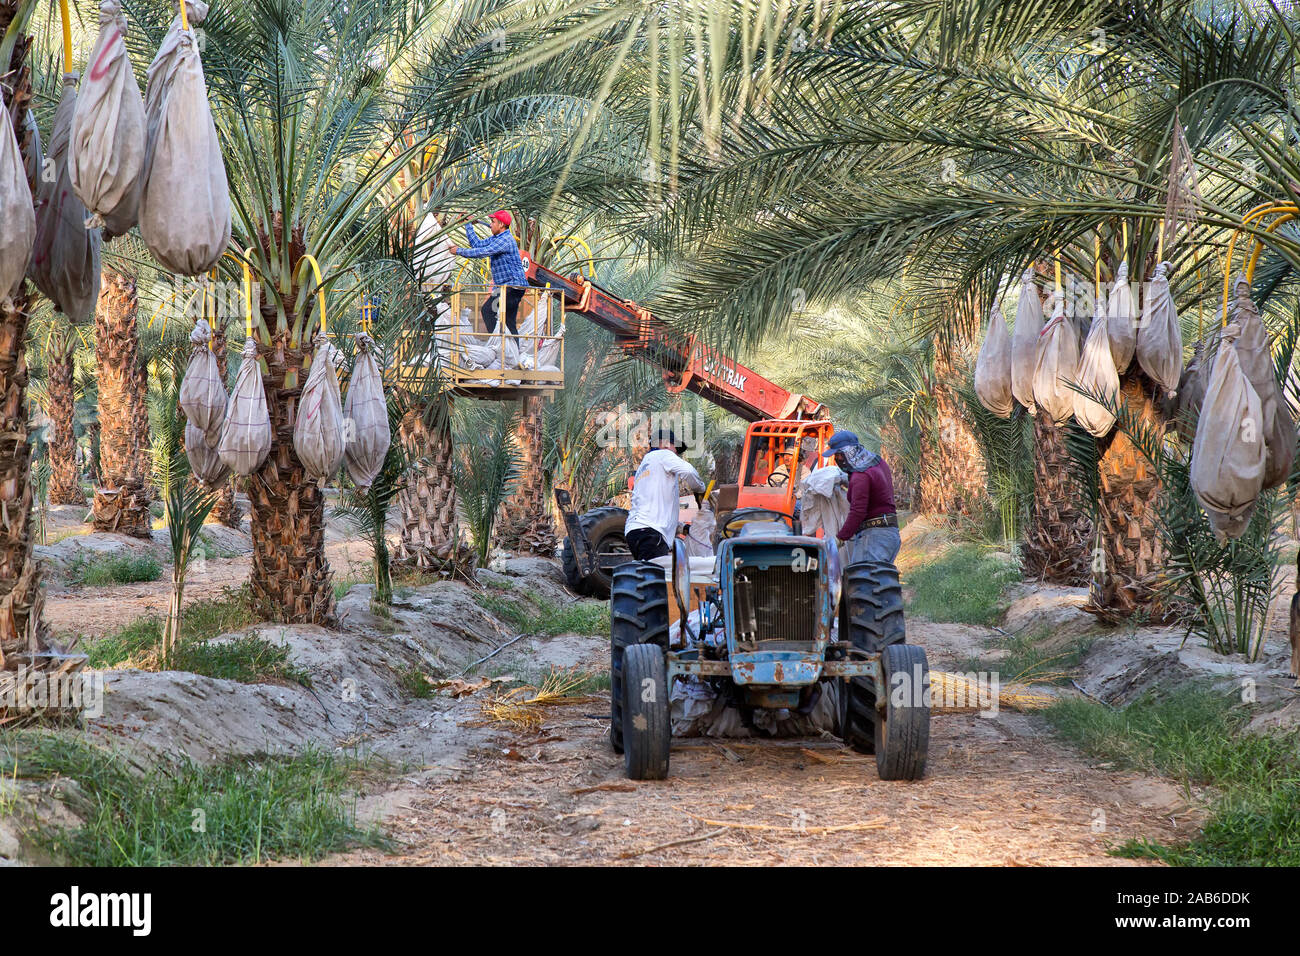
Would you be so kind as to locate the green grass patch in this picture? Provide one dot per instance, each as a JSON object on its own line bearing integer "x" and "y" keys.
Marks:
{"x": 549, "y": 619}
{"x": 249, "y": 659}
{"x": 415, "y": 682}
{"x": 186, "y": 814}
{"x": 964, "y": 586}
{"x": 1197, "y": 737}
{"x": 115, "y": 569}
{"x": 343, "y": 586}
{"x": 1027, "y": 661}
{"x": 213, "y": 550}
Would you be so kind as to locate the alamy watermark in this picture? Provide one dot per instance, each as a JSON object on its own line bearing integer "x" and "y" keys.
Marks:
{"x": 26, "y": 691}
{"x": 621, "y": 428}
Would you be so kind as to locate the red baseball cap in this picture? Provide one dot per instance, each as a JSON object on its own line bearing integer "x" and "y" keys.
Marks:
{"x": 502, "y": 217}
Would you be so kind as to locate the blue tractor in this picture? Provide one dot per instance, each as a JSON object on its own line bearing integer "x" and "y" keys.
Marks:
{"x": 794, "y": 622}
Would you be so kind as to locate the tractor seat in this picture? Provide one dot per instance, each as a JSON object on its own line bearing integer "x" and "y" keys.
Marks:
{"x": 753, "y": 528}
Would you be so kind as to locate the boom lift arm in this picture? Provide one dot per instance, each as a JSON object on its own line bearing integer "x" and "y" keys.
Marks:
{"x": 686, "y": 363}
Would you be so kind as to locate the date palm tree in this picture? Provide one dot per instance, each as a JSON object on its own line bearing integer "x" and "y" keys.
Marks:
{"x": 122, "y": 495}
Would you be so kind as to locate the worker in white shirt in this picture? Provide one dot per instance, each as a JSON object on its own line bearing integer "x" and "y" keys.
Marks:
{"x": 652, "y": 519}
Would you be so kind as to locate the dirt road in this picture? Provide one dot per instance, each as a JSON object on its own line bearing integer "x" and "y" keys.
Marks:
{"x": 998, "y": 791}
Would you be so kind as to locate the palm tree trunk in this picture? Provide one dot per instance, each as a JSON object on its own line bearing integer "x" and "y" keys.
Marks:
{"x": 122, "y": 496}
{"x": 1058, "y": 541}
{"x": 953, "y": 478}
{"x": 527, "y": 524}
{"x": 1130, "y": 554}
{"x": 22, "y": 632}
{"x": 427, "y": 502}
{"x": 291, "y": 579}
{"x": 65, "y": 477}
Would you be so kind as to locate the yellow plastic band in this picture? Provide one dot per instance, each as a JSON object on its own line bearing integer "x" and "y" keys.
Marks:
{"x": 1058, "y": 270}
{"x": 1259, "y": 244}
{"x": 1263, "y": 209}
{"x": 1160, "y": 242}
{"x": 185, "y": 20}
{"x": 1096, "y": 255}
{"x": 66, "y": 20}
{"x": 320, "y": 292}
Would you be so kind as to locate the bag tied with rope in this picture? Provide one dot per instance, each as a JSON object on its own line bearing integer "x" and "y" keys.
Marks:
{"x": 206, "y": 464}
{"x": 203, "y": 393}
{"x": 182, "y": 159}
{"x": 318, "y": 432}
{"x": 108, "y": 131}
{"x": 1024, "y": 341}
{"x": 16, "y": 210}
{"x": 1228, "y": 455}
{"x": 1159, "y": 336}
{"x": 1256, "y": 355}
{"x": 366, "y": 417}
{"x": 1096, "y": 374}
{"x": 246, "y": 434}
{"x": 65, "y": 256}
{"x": 1119, "y": 320}
{"x": 993, "y": 368}
{"x": 1056, "y": 364}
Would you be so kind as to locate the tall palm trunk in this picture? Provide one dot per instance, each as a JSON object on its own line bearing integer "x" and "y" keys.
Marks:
{"x": 122, "y": 496}
{"x": 22, "y": 634}
{"x": 226, "y": 509}
{"x": 427, "y": 501}
{"x": 953, "y": 478}
{"x": 65, "y": 477}
{"x": 528, "y": 525}
{"x": 1130, "y": 554}
{"x": 1058, "y": 541}
{"x": 291, "y": 579}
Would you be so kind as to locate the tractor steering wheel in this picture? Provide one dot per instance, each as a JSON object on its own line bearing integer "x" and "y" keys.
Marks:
{"x": 743, "y": 516}
{"x": 772, "y": 479}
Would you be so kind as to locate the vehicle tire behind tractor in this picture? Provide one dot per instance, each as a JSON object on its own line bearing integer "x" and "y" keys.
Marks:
{"x": 903, "y": 732}
{"x": 638, "y": 614}
{"x": 647, "y": 731}
{"x": 871, "y": 619}
{"x": 604, "y": 530}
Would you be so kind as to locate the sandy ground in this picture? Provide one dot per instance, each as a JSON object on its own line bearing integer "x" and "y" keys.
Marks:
{"x": 998, "y": 791}
{"x": 1001, "y": 791}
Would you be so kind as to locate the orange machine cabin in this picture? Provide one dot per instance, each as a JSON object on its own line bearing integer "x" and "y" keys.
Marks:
{"x": 777, "y": 455}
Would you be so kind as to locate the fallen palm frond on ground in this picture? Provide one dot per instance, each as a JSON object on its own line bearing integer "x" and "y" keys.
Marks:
{"x": 961, "y": 693}
{"x": 523, "y": 707}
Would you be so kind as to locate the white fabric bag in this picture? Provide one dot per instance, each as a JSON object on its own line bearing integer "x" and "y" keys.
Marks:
{"x": 823, "y": 500}
{"x": 1024, "y": 341}
{"x": 1228, "y": 455}
{"x": 318, "y": 432}
{"x": 366, "y": 409}
{"x": 185, "y": 202}
{"x": 993, "y": 368}
{"x": 1119, "y": 320}
{"x": 1255, "y": 354}
{"x": 65, "y": 256}
{"x": 16, "y": 210}
{"x": 206, "y": 464}
{"x": 434, "y": 262}
{"x": 108, "y": 130}
{"x": 1097, "y": 374}
{"x": 203, "y": 393}
{"x": 1192, "y": 384}
{"x": 1056, "y": 364}
{"x": 246, "y": 434}
{"x": 1159, "y": 336}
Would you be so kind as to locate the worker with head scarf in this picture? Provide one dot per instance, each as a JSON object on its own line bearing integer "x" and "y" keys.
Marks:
{"x": 870, "y": 532}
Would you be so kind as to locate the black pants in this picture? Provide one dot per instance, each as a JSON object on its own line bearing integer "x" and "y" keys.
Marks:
{"x": 646, "y": 543}
{"x": 514, "y": 295}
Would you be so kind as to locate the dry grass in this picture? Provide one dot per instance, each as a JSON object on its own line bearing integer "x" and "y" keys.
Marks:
{"x": 524, "y": 707}
{"x": 958, "y": 694}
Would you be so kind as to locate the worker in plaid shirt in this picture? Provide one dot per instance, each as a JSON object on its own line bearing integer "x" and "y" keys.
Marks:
{"x": 507, "y": 267}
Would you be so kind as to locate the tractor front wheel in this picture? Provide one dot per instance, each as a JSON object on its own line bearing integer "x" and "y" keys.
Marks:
{"x": 902, "y": 735}
{"x": 638, "y": 614}
{"x": 647, "y": 728}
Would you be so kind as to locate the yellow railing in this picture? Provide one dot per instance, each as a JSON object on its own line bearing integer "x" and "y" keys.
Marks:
{"x": 461, "y": 344}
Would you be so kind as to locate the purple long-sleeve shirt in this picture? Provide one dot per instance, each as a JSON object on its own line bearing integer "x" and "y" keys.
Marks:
{"x": 871, "y": 494}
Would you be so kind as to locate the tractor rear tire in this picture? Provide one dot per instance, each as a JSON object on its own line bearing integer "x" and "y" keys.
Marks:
{"x": 647, "y": 733}
{"x": 603, "y": 528}
{"x": 872, "y": 606}
{"x": 871, "y": 619}
{"x": 903, "y": 729}
{"x": 638, "y": 614}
